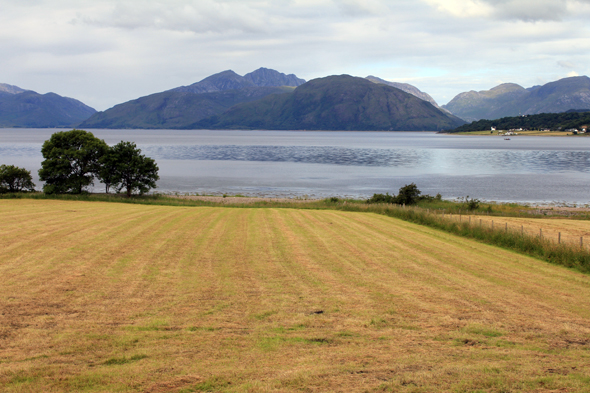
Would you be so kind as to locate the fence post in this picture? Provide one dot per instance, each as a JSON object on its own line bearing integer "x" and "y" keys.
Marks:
{"x": 492, "y": 225}
{"x": 541, "y": 233}
{"x": 581, "y": 242}
{"x": 469, "y": 220}
{"x": 522, "y": 230}
{"x": 559, "y": 238}
{"x": 506, "y": 229}
{"x": 480, "y": 222}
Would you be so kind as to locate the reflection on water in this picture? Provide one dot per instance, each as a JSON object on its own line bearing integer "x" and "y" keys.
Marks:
{"x": 428, "y": 160}
{"x": 304, "y": 154}
{"x": 346, "y": 163}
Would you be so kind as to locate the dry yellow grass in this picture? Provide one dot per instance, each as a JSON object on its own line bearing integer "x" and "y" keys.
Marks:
{"x": 571, "y": 230}
{"x": 116, "y": 297}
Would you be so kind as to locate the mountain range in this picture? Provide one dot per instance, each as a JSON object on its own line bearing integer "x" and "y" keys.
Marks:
{"x": 26, "y": 108}
{"x": 510, "y": 99}
{"x": 266, "y": 98}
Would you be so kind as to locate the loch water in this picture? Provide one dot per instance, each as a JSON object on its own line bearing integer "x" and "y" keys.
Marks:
{"x": 348, "y": 164}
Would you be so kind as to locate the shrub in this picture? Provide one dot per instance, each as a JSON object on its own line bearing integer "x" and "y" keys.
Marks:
{"x": 382, "y": 198}
{"x": 407, "y": 195}
{"x": 471, "y": 204}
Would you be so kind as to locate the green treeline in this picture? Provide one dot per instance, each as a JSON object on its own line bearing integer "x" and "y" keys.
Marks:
{"x": 74, "y": 159}
{"x": 552, "y": 121}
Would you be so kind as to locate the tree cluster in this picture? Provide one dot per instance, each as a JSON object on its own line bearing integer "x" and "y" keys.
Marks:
{"x": 552, "y": 121}
{"x": 407, "y": 195}
{"x": 73, "y": 159}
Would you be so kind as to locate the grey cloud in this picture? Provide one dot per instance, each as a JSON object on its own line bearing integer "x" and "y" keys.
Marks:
{"x": 203, "y": 16}
{"x": 534, "y": 10}
{"x": 566, "y": 64}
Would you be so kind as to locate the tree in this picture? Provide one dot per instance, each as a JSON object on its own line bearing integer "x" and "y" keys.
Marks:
{"x": 130, "y": 169}
{"x": 107, "y": 172}
{"x": 408, "y": 195}
{"x": 71, "y": 161}
{"x": 15, "y": 179}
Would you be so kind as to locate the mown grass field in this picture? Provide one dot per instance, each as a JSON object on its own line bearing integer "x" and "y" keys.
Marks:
{"x": 120, "y": 297}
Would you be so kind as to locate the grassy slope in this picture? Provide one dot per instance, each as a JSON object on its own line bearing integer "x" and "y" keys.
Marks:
{"x": 118, "y": 297}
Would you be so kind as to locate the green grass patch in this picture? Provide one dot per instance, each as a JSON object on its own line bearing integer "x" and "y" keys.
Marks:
{"x": 214, "y": 384}
{"x": 123, "y": 360}
{"x": 484, "y": 331}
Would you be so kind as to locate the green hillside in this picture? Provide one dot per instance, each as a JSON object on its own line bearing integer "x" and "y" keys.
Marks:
{"x": 552, "y": 121}
{"x": 175, "y": 109}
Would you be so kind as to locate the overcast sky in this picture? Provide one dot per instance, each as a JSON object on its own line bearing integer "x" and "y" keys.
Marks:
{"x": 107, "y": 52}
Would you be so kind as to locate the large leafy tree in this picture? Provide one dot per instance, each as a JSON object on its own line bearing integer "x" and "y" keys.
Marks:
{"x": 15, "y": 179}
{"x": 71, "y": 161}
{"x": 129, "y": 169}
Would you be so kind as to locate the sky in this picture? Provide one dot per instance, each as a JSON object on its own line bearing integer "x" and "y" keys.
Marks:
{"x": 108, "y": 52}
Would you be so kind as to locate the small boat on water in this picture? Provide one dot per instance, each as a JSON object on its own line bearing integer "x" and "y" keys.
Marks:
{"x": 506, "y": 139}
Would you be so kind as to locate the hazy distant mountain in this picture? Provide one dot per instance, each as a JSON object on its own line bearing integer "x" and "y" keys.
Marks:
{"x": 185, "y": 105}
{"x": 510, "y": 99}
{"x": 413, "y": 90}
{"x": 26, "y": 108}
{"x": 336, "y": 103}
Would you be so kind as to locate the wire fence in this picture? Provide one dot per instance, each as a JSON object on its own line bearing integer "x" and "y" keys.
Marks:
{"x": 578, "y": 237}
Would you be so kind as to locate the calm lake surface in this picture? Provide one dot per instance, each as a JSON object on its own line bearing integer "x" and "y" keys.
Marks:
{"x": 354, "y": 164}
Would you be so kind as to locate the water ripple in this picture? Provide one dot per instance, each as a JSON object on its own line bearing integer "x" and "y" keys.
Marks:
{"x": 441, "y": 160}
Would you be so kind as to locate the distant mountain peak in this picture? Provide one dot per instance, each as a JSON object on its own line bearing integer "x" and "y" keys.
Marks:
{"x": 225, "y": 80}
{"x": 229, "y": 80}
{"x": 413, "y": 90}
{"x": 10, "y": 89}
{"x": 266, "y": 77}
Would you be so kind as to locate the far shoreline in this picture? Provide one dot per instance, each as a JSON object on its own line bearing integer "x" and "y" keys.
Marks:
{"x": 519, "y": 133}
